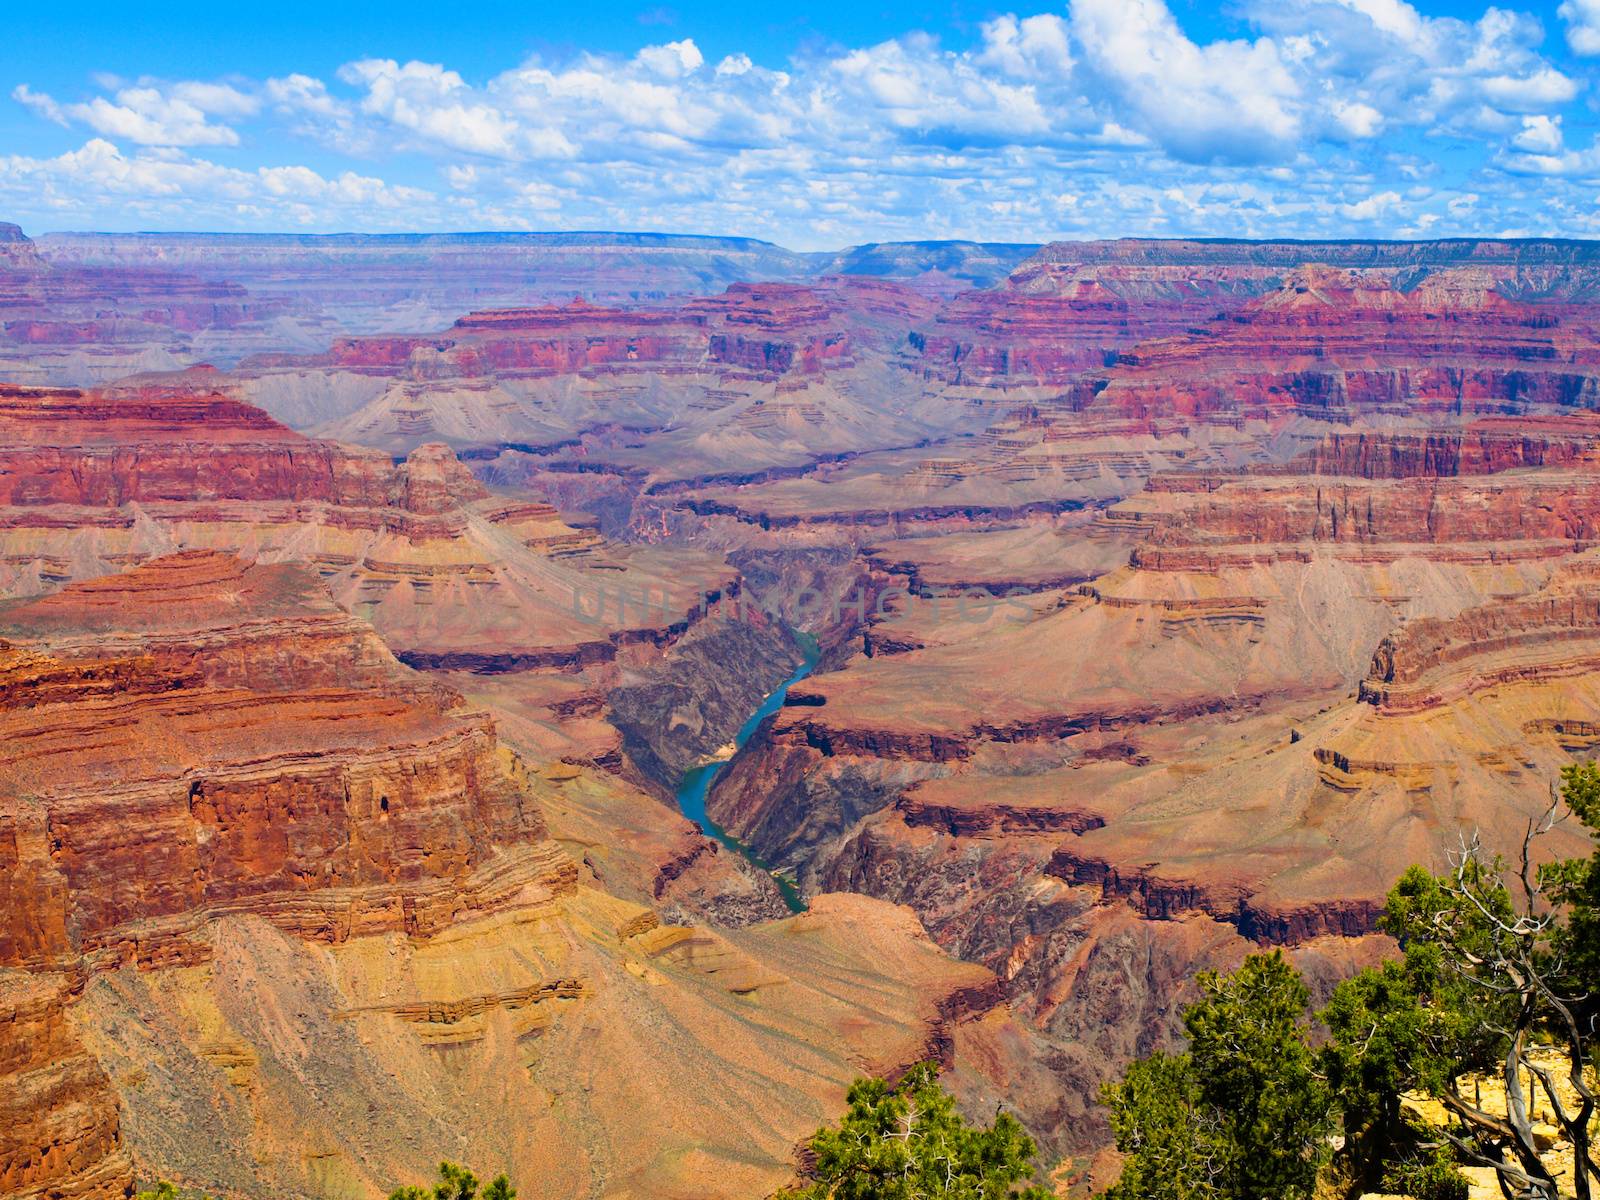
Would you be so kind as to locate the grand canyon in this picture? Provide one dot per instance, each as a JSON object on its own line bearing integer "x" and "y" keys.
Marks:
{"x": 375, "y": 609}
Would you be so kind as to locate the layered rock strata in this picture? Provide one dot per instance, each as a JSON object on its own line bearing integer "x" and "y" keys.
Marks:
{"x": 1174, "y": 753}
{"x": 281, "y": 912}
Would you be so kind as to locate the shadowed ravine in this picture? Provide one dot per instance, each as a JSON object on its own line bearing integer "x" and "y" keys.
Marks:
{"x": 697, "y": 781}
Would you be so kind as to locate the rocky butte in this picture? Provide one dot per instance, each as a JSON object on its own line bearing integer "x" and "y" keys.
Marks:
{"x": 1167, "y": 599}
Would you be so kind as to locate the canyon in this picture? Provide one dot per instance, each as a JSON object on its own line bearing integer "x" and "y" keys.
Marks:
{"x": 257, "y": 867}
{"x": 1166, "y": 600}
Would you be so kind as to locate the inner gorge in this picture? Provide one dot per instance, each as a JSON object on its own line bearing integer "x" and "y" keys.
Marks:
{"x": 698, "y": 780}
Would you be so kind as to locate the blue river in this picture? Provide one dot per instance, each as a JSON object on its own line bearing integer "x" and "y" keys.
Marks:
{"x": 697, "y": 781}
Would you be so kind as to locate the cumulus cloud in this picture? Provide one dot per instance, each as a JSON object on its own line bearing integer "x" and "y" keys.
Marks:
{"x": 1551, "y": 159}
{"x": 1414, "y": 70}
{"x": 673, "y": 60}
{"x": 1034, "y": 47}
{"x": 1540, "y": 134}
{"x": 153, "y": 115}
{"x": 1097, "y": 117}
{"x": 98, "y": 174}
{"x": 1582, "y": 18}
{"x": 303, "y": 94}
{"x": 434, "y": 104}
{"x": 1358, "y": 119}
{"x": 912, "y": 86}
{"x": 1379, "y": 204}
{"x": 1233, "y": 100}
{"x": 1529, "y": 93}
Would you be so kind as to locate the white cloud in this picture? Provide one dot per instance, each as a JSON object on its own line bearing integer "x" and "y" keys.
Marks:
{"x": 1032, "y": 47}
{"x": 1102, "y": 117}
{"x": 1542, "y": 89}
{"x": 39, "y": 103}
{"x": 153, "y": 115}
{"x": 913, "y": 86}
{"x": 673, "y": 60}
{"x": 1540, "y": 134}
{"x": 541, "y": 197}
{"x": 1583, "y": 25}
{"x": 1357, "y": 119}
{"x": 1374, "y": 206}
{"x": 435, "y": 104}
{"x": 1553, "y": 162}
{"x": 1226, "y": 100}
{"x": 301, "y": 93}
{"x": 1442, "y": 73}
{"x": 217, "y": 99}
{"x": 1393, "y": 17}
{"x": 98, "y": 174}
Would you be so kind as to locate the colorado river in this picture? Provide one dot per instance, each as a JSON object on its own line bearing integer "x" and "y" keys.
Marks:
{"x": 697, "y": 781}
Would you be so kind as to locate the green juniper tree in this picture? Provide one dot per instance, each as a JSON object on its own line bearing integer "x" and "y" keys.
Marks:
{"x": 1413, "y": 1024}
{"x": 1575, "y": 885}
{"x": 1498, "y": 975}
{"x": 909, "y": 1142}
{"x": 1175, "y": 1144}
{"x": 1244, "y": 1114}
{"x": 457, "y": 1183}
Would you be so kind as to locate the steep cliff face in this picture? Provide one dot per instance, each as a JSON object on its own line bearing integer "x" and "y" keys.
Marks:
{"x": 18, "y": 254}
{"x": 206, "y": 740}
{"x": 1050, "y": 326}
{"x": 94, "y": 449}
{"x": 676, "y": 712}
{"x": 763, "y": 376}
{"x": 1331, "y": 342}
{"x": 1545, "y": 635}
{"x": 60, "y": 1124}
{"x": 66, "y": 323}
{"x": 1483, "y": 447}
{"x": 1095, "y": 372}
{"x": 266, "y": 755}
{"x": 1545, "y": 514}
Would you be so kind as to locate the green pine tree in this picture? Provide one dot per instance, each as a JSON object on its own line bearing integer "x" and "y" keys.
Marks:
{"x": 1244, "y": 1114}
{"x": 909, "y": 1142}
{"x": 457, "y": 1183}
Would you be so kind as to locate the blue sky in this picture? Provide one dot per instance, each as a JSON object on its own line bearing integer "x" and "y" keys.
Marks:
{"x": 820, "y": 127}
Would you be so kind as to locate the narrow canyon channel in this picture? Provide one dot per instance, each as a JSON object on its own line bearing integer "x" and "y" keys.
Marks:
{"x": 697, "y": 781}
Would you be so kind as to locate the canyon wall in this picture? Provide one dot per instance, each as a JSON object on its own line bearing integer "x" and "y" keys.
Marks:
{"x": 1172, "y": 597}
